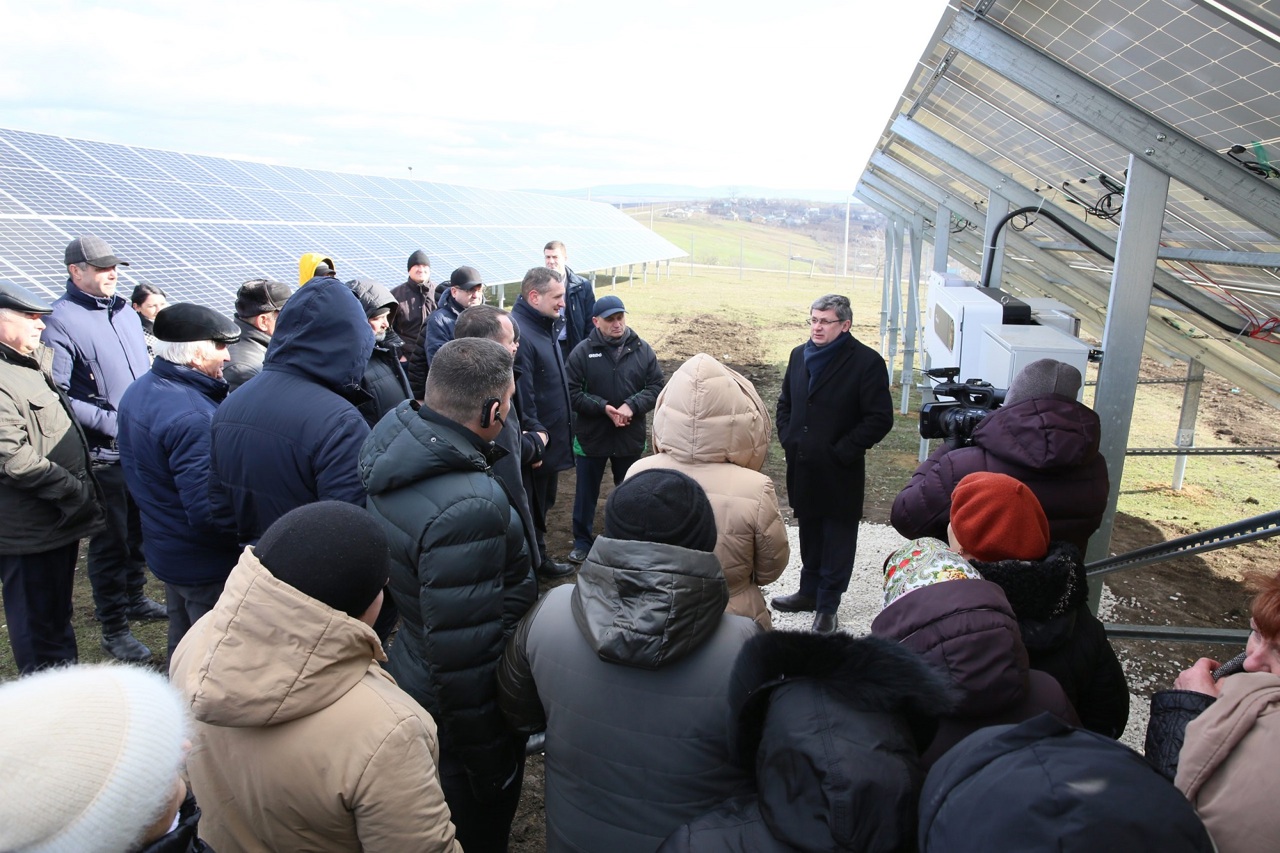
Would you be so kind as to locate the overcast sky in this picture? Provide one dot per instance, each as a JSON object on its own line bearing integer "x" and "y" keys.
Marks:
{"x": 554, "y": 94}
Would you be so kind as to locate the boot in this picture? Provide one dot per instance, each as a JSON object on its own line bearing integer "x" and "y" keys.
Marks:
{"x": 794, "y": 603}
{"x": 123, "y": 646}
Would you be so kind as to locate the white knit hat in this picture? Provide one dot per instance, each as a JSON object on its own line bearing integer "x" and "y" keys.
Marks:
{"x": 89, "y": 758}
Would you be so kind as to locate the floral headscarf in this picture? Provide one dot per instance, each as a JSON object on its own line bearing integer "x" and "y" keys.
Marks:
{"x": 920, "y": 563}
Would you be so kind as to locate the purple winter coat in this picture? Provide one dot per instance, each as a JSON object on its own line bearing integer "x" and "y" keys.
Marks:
{"x": 1050, "y": 443}
{"x": 967, "y": 628}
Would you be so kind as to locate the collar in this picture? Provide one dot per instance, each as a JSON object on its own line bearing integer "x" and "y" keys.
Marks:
{"x": 214, "y": 389}
{"x": 93, "y": 303}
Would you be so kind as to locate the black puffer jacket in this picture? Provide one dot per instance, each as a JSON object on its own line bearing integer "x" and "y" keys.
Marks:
{"x": 460, "y": 576}
{"x": 384, "y": 377}
{"x": 601, "y": 374}
{"x": 1050, "y": 443}
{"x": 830, "y": 728}
{"x": 1063, "y": 638}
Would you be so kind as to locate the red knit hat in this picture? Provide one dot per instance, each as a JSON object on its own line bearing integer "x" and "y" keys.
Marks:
{"x": 995, "y": 517}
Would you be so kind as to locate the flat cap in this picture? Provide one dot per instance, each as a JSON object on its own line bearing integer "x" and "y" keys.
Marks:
{"x": 17, "y": 298}
{"x": 93, "y": 251}
{"x": 183, "y": 321}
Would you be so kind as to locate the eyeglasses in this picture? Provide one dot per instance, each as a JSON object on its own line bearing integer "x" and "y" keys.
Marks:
{"x": 818, "y": 321}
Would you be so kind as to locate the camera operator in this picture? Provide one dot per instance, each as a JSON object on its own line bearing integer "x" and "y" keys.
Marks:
{"x": 1040, "y": 436}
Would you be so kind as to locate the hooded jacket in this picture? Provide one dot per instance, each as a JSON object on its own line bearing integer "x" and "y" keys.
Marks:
{"x": 98, "y": 350}
{"x": 1228, "y": 762}
{"x": 711, "y": 424}
{"x": 601, "y": 374}
{"x": 415, "y": 302}
{"x": 628, "y": 671}
{"x": 1042, "y": 785}
{"x": 830, "y": 728}
{"x": 1062, "y": 636}
{"x": 48, "y": 497}
{"x": 384, "y": 378}
{"x": 293, "y": 435}
{"x": 164, "y": 453}
{"x": 967, "y": 628}
{"x": 1050, "y": 443}
{"x": 460, "y": 576}
{"x": 247, "y": 354}
{"x": 301, "y": 740}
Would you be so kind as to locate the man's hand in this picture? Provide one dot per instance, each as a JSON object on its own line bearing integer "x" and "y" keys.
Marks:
{"x": 1199, "y": 677}
{"x": 621, "y": 416}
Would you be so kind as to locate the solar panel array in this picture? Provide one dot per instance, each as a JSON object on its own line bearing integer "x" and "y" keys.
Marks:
{"x": 198, "y": 226}
{"x": 1193, "y": 68}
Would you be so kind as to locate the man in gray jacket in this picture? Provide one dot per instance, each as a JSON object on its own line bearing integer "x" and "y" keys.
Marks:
{"x": 258, "y": 305}
{"x": 628, "y": 672}
{"x": 48, "y": 498}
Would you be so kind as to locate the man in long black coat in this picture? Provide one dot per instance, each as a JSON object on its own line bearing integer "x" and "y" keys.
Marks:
{"x": 833, "y": 407}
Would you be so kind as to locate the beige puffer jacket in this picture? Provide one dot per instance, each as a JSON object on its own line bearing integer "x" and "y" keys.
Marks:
{"x": 711, "y": 424}
{"x": 301, "y": 741}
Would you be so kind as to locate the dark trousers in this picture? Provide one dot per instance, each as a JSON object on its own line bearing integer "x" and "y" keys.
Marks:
{"x": 186, "y": 604}
{"x": 116, "y": 568}
{"x": 541, "y": 487}
{"x": 482, "y": 827}
{"x": 827, "y": 548}
{"x": 590, "y": 471}
{"x": 37, "y": 606}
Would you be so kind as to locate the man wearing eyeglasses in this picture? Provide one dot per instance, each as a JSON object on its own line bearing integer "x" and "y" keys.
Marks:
{"x": 258, "y": 304}
{"x": 834, "y": 406}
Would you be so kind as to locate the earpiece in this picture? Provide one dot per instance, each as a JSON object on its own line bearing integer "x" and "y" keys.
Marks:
{"x": 489, "y": 412}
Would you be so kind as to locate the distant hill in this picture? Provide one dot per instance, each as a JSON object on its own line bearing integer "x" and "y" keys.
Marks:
{"x": 644, "y": 193}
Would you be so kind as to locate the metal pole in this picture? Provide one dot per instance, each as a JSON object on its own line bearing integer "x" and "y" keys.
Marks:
{"x": 913, "y": 311}
{"x": 847, "y": 203}
{"x": 739, "y": 259}
{"x": 1187, "y": 419}
{"x": 997, "y": 207}
{"x": 691, "y": 256}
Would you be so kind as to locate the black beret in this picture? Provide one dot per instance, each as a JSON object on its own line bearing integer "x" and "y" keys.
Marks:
{"x": 184, "y": 321}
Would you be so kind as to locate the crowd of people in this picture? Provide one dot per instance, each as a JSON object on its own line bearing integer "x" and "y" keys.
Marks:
{"x": 344, "y": 489}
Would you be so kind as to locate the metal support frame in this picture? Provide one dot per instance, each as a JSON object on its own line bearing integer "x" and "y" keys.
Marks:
{"x": 1186, "y": 436}
{"x": 1247, "y": 530}
{"x": 1225, "y": 258}
{"x": 911, "y": 322}
{"x": 1176, "y": 634}
{"x": 1149, "y": 140}
{"x": 895, "y": 295}
{"x": 997, "y": 207}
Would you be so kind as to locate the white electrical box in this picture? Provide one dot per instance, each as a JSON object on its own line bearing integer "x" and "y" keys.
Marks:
{"x": 1051, "y": 312}
{"x": 954, "y": 323}
{"x": 1005, "y": 350}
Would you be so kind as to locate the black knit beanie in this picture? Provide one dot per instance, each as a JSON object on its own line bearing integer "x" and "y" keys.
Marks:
{"x": 418, "y": 257}
{"x": 661, "y": 506}
{"x": 332, "y": 551}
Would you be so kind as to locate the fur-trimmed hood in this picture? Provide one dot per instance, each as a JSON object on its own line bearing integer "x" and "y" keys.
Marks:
{"x": 832, "y": 726}
{"x": 1045, "y": 594}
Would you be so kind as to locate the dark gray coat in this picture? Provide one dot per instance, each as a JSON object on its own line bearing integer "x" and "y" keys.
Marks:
{"x": 628, "y": 671}
{"x": 542, "y": 384}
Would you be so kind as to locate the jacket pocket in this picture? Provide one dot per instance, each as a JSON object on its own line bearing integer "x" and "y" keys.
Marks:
{"x": 48, "y": 415}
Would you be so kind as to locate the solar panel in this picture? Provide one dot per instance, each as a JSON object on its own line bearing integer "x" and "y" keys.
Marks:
{"x": 198, "y": 226}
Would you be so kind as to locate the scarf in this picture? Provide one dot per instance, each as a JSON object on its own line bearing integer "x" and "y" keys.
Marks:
{"x": 816, "y": 358}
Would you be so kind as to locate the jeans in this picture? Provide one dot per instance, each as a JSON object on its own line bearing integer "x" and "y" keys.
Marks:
{"x": 186, "y": 604}
{"x": 590, "y": 471}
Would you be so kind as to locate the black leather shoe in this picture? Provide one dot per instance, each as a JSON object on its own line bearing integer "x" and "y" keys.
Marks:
{"x": 794, "y": 603}
{"x": 146, "y": 609}
{"x": 577, "y": 555}
{"x": 125, "y": 647}
{"x": 825, "y": 623}
{"x": 551, "y": 570}
{"x": 536, "y": 744}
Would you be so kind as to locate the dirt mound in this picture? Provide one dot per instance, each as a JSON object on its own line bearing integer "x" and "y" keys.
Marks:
{"x": 727, "y": 341}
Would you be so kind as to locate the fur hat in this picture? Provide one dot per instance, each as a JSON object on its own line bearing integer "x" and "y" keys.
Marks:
{"x": 91, "y": 757}
{"x": 663, "y": 506}
{"x": 995, "y": 517}
{"x": 333, "y": 551}
{"x": 1043, "y": 377}
{"x": 920, "y": 563}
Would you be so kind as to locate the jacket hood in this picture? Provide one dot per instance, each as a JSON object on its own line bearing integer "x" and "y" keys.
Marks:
{"x": 323, "y": 333}
{"x": 1043, "y": 432}
{"x": 1043, "y": 785}
{"x": 967, "y": 628}
{"x": 1040, "y": 590}
{"x": 307, "y": 266}
{"x": 413, "y": 443}
{"x": 647, "y": 604}
{"x": 268, "y": 654}
{"x": 709, "y": 413}
{"x": 831, "y": 727}
{"x": 372, "y": 296}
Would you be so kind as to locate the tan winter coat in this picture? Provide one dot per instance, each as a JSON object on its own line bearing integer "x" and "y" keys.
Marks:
{"x": 711, "y": 424}
{"x": 301, "y": 741}
{"x": 1227, "y": 766}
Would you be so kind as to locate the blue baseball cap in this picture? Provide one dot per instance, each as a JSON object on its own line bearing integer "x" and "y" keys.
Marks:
{"x": 607, "y": 306}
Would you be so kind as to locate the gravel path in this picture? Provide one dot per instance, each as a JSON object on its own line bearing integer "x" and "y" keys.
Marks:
{"x": 863, "y": 601}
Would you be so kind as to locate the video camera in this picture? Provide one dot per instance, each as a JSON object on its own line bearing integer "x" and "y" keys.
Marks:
{"x": 956, "y": 418}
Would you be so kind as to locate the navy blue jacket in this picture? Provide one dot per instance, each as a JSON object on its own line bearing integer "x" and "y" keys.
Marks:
{"x": 98, "y": 350}
{"x": 439, "y": 327}
{"x": 164, "y": 452}
{"x": 579, "y": 305}
{"x": 542, "y": 386}
{"x": 292, "y": 436}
